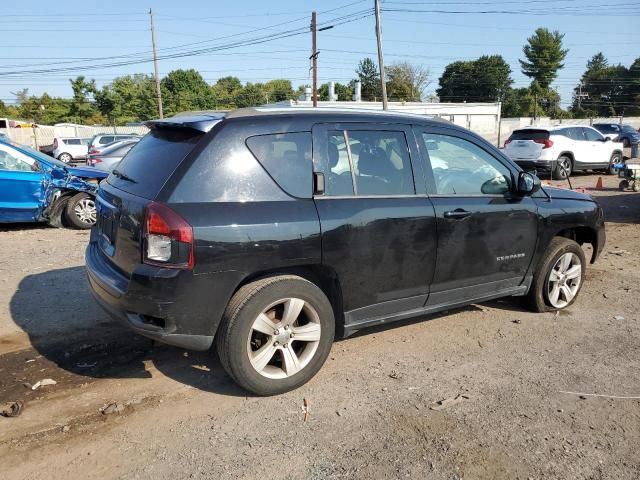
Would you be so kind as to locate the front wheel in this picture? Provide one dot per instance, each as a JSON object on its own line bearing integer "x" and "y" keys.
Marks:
{"x": 276, "y": 334}
{"x": 80, "y": 211}
{"x": 559, "y": 276}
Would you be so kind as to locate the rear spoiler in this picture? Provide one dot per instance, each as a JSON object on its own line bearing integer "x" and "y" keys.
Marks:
{"x": 200, "y": 123}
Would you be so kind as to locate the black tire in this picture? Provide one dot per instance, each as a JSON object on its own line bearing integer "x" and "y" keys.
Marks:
{"x": 76, "y": 214}
{"x": 560, "y": 172}
{"x": 623, "y": 185}
{"x": 616, "y": 159}
{"x": 538, "y": 297}
{"x": 65, "y": 157}
{"x": 233, "y": 336}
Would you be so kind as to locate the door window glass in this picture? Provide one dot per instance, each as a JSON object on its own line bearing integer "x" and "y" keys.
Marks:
{"x": 462, "y": 168}
{"x": 16, "y": 161}
{"x": 72, "y": 141}
{"x": 339, "y": 180}
{"x": 381, "y": 163}
{"x": 575, "y": 133}
{"x": 591, "y": 135}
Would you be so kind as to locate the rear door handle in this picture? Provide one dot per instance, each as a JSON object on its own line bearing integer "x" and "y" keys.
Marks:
{"x": 457, "y": 214}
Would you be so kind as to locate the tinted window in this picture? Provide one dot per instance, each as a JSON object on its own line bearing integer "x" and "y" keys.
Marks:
{"x": 530, "y": 134}
{"x": 607, "y": 128}
{"x": 287, "y": 158}
{"x": 575, "y": 133}
{"x": 379, "y": 162}
{"x": 339, "y": 180}
{"x": 106, "y": 140}
{"x": 154, "y": 159}
{"x": 72, "y": 141}
{"x": 592, "y": 135}
{"x": 628, "y": 129}
{"x": 462, "y": 168}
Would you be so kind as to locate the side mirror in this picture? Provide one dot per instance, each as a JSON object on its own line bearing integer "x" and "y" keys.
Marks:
{"x": 528, "y": 184}
{"x": 606, "y": 139}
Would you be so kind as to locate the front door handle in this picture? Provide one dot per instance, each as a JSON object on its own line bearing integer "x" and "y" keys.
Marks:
{"x": 457, "y": 214}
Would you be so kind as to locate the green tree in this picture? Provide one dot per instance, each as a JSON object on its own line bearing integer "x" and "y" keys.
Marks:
{"x": 369, "y": 76}
{"x": 486, "y": 79}
{"x": 225, "y": 91}
{"x": 251, "y": 95}
{"x": 406, "y": 82}
{"x": 186, "y": 90}
{"x": 278, "y": 90}
{"x": 544, "y": 56}
{"x": 82, "y": 109}
{"x": 131, "y": 98}
{"x": 344, "y": 92}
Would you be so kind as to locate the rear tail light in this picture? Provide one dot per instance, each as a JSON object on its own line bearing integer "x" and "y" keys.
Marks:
{"x": 93, "y": 150}
{"x": 168, "y": 238}
{"x": 95, "y": 160}
{"x": 547, "y": 143}
{"x": 507, "y": 142}
{"x": 55, "y": 143}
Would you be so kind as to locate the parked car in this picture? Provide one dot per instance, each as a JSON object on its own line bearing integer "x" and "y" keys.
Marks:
{"x": 37, "y": 188}
{"x": 619, "y": 133}
{"x": 563, "y": 149}
{"x": 69, "y": 149}
{"x": 4, "y": 138}
{"x": 100, "y": 141}
{"x": 111, "y": 155}
{"x": 273, "y": 231}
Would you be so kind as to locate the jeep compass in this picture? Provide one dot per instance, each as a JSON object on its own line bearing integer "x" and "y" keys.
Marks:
{"x": 273, "y": 231}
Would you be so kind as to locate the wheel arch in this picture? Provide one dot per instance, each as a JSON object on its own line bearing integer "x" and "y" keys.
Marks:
{"x": 569, "y": 154}
{"x": 325, "y": 278}
{"x": 582, "y": 235}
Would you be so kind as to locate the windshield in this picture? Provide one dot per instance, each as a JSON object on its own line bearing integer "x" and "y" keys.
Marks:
{"x": 628, "y": 128}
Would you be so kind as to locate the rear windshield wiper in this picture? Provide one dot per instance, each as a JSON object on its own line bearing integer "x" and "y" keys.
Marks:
{"x": 122, "y": 176}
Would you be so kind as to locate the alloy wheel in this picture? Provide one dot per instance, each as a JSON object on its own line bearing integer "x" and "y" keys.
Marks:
{"x": 564, "y": 280}
{"x": 85, "y": 210}
{"x": 284, "y": 338}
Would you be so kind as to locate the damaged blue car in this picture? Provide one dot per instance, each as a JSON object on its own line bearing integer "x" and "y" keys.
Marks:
{"x": 37, "y": 188}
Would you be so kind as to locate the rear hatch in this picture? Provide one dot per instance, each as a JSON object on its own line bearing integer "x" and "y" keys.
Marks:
{"x": 526, "y": 144}
{"x": 137, "y": 180}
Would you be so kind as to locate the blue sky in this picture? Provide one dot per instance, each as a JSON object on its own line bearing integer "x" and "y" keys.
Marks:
{"x": 38, "y": 34}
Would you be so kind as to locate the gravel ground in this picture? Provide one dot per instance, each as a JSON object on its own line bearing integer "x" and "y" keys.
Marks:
{"x": 175, "y": 414}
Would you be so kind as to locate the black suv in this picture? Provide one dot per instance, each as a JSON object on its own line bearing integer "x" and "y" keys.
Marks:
{"x": 273, "y": 231}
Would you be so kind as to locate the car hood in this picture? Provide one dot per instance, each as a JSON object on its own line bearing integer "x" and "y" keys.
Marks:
{"x": 87, "y": 172}
{"x": 566, "y": 194}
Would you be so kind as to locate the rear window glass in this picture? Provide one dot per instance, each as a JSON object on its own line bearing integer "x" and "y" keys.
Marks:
{"x": 530, "y": 134}
{"x": 147, "y": 167}
{"x": 287, "y": 158}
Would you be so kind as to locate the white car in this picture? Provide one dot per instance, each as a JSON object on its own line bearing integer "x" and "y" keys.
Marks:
{"x": 563, "y": 149}
{"x": 67, "y": 149}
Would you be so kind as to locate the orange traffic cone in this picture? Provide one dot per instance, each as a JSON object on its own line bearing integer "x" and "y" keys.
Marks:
{"x": 599, "y": 184}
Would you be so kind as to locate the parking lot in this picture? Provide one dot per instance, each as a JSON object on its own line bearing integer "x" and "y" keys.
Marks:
{"x": 536, "y": 395}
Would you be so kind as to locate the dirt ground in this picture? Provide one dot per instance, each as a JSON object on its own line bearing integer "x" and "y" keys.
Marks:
{"x": 541, "y": 393}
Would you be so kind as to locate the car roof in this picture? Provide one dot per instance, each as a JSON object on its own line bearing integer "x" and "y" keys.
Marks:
{"x": 204, "y": 121}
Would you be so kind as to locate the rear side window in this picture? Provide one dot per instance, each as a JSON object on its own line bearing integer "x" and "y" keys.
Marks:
{"x": 287, "y": 158}
{"x": 530, "y": 134}
{"x": 73, "y": 141}
{"x": 106, "y": 140}
{"x": 575, "y": 133}
{"x": 149, "y": 165}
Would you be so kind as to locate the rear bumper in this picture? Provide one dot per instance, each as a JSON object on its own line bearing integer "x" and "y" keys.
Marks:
{"x": 155, "y": 302}
{"x": 544, "y": 165}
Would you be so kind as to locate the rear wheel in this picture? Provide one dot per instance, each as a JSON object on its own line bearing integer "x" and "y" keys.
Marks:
{"x": 563, "y": 167}
{"x": 65, "y": 157}
{"x": 80, "y": 211}
{"x": 275, "y": 335}
{"x": 559, "y": 277}
{"x": 616, "y": 159}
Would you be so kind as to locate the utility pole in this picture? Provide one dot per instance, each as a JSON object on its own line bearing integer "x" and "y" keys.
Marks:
{"x": 580, "y": 96}
{"x": 155, "y": 66}
{"x": 535, "y": 107}
{"x": 314, "y": 59}
{"x": 385, "y": 106}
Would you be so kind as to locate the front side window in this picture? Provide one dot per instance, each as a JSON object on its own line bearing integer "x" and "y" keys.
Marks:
{"x": 369, "y": 162}
{"x": 575, "y": 133}
{"x": 287, "y": 158}
{"x": 592, "y": 135}
{"x": 462, "y": 168}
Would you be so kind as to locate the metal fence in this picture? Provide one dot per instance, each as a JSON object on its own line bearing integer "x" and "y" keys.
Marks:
{"x": 44, "y": 134}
